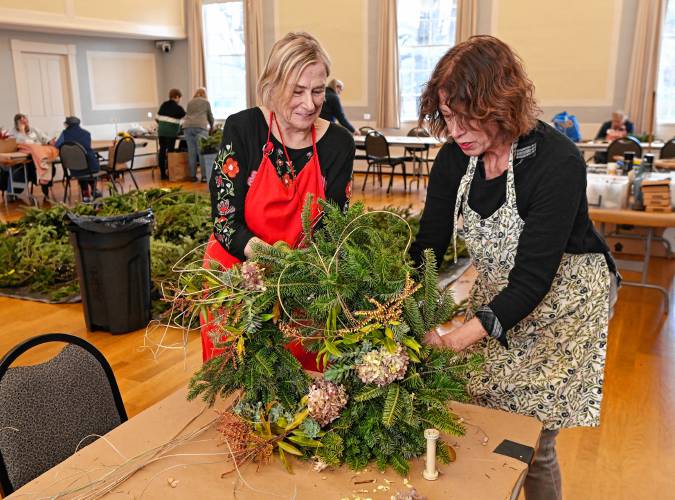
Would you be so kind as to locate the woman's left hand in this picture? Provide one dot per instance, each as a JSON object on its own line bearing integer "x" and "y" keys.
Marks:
{"x": 456, "y": 338}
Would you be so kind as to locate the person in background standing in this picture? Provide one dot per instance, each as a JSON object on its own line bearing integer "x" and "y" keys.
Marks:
{"x": 74, "y": 133}
{"x": 168, "y": 125}
{"x": 332, "y": 108}
{"x": 196, "y": 125}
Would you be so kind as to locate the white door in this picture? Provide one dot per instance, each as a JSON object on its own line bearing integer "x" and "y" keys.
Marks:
{"x": 47, "y": 91}
{"x": 46, "y": 83}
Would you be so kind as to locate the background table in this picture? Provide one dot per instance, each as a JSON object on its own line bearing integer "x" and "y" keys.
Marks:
{"x": 10, "y": 162}
{"x": 477, "y": 474}
{"x": 593, "y": 146}
{"x": 649, "y": 220}
{"x": 402, "y": 140}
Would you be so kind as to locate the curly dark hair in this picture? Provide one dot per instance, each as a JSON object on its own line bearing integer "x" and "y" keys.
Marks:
{"x": 484, "y": 81}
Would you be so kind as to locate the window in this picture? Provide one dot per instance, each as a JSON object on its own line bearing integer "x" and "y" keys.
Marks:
{"x": 225, "y": 57}
{"x": 666, "y": 86}
{"x": 426, "y": 30}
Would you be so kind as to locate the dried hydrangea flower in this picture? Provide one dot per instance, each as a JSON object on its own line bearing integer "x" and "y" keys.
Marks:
{"x": 381, "y": 367}
{"x": 252, "y": 276}
{"x": 325, "y": 401}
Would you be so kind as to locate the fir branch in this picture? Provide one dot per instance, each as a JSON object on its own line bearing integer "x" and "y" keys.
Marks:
{"x": 393, "y": 405}
{"x": 370, "y": 392}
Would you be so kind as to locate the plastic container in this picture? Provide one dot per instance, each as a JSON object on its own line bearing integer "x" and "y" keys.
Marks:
{"x": 112, "y": 255}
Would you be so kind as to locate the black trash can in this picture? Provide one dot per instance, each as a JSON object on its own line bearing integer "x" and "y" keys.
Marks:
{"x": 113, "y": 267}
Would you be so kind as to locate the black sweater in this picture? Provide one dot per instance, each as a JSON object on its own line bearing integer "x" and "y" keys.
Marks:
{"x": 550, "y": 180}
{"x": 246, "y": 133}
{"x": 332, "y": 110}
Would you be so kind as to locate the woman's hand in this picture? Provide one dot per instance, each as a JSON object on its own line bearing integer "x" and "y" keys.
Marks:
{"x": 249, "y": 249}
{"x": 456, "y": 338}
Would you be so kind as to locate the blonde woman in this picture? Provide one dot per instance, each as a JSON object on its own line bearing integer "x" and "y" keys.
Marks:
{"x": 196, "y": 125}
{"x": 272, "y": 156}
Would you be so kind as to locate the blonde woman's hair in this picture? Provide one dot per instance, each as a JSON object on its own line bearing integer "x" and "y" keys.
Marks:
{"x": 288, "y": 59}
{"x": 200, "y": 92}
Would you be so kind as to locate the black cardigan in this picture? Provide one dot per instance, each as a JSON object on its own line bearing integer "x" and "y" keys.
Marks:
{"x": 550, "y": 180}
{"x": 332, "y": 110}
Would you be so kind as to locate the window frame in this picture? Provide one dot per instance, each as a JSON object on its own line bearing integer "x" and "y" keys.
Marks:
{"x": 670, "y": 120}
{"x": 434, "y": 45}
{"x": 218, "y": 114}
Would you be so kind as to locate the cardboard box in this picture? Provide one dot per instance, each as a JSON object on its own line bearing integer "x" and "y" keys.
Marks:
{"x": 652, "y": 208}
{"x": 656, "y": 199}
{"x": 178, "y": 166}
{"x": 7, "y": 145}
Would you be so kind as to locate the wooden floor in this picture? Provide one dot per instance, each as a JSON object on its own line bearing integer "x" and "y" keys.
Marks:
{"x": 630, "y": 456}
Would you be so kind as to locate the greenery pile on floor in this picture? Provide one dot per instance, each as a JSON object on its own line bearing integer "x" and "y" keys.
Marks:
{"x": 36, "y": 255}
{"x": 36, "y": 258}
{"x": 348, "y": 295}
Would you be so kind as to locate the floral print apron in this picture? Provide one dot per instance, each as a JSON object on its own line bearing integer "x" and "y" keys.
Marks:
{"x": 554, "y": 366}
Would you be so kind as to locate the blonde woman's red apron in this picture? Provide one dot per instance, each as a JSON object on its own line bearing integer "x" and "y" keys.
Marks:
{"x": 273, "y": 212}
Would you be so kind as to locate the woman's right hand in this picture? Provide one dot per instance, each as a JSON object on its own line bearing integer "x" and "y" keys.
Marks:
{"x": 249, "y": 248}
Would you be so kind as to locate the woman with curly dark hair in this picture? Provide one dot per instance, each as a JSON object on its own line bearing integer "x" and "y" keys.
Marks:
{"x": 540, "y": 304}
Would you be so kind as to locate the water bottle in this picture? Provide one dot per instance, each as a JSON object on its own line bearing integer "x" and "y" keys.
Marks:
{"x": 639, "y": 174}
{"x": 628, "y": 159}
{"x": 648, "y": 163}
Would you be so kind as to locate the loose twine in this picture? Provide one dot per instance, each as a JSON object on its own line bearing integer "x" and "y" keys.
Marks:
{"x": 118, "y": 474}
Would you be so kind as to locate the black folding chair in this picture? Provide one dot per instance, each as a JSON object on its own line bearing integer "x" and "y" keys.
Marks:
{"x": 378, "y": 156}
{"x": 50, "y": 409}
{"x": 75, "y": 165}
{"x": 619, "y": 146}
{"x": 122, "y": 162}
{"x": 420, "y": 155}
{"x": 668, "y": 150}
{"x": 362, "y": 156}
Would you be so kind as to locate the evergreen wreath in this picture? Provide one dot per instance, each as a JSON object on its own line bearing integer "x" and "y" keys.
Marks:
{"x": 348, "y": 295}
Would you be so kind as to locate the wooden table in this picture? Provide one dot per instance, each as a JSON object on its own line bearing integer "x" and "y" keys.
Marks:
{"x": 602, "y": 145}
{"x": 478, "y": 472}
{"x": 402, "y": 140}
{"x": 593, "y": 146}
{"x": 9, "y": 162}
{"x": 649, "y": 220}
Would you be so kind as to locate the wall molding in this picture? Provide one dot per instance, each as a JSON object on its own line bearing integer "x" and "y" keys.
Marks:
{"x": 351, "y": 103}
{"x": 613, "y": 55}
{"x": 19, "y": 47}
{"x": 93, "y": 55}
{"x": 69, "y": 22}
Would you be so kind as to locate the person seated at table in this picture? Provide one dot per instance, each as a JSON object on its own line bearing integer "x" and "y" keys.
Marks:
{"x": 332, "y": 108}
{"x": 272, "y": 157}
{"x": 30, "y": 140}
{"x": 619, "y": 126}
{"x": 25, "y": 134}
{"x": 168, "y": 124}
{"x": 74, "y": 133}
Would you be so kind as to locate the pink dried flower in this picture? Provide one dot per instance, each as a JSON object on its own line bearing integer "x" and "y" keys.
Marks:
{"x": 252, "y": 276}
{"x": 325, "y": 401}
